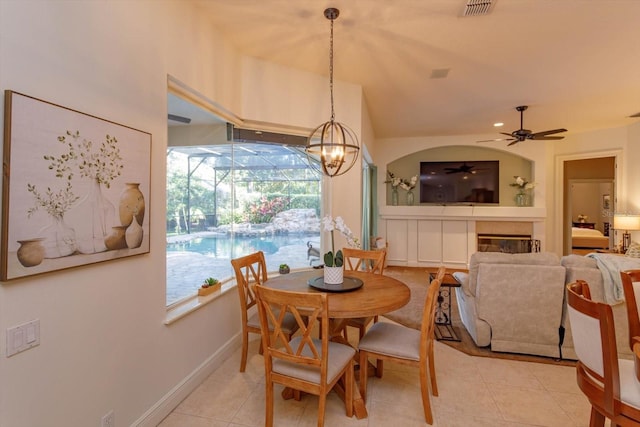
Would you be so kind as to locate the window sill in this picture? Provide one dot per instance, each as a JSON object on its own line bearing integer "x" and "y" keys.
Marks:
{"x": 188, "y": 305}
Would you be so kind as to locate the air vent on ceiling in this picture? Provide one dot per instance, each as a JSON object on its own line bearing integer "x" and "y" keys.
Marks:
{"x": 252, "y": 135}
{"x": 478, "y": 7}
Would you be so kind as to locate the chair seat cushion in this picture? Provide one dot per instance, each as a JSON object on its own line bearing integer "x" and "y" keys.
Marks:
{"x": 339, "y": 356}
{"x": 289, "y": 324}
{"x": 629, "y": 384}
{"x": 392, "y": 340}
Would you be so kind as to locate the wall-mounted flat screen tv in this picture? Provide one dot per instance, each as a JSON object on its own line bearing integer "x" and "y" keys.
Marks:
{"x": 470, "y": 182}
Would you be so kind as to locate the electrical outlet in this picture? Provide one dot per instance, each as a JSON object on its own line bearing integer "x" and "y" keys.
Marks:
{"x": 108, "y": 420}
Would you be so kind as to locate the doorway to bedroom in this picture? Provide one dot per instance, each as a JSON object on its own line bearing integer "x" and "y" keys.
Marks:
{"x": 589, "y": 205}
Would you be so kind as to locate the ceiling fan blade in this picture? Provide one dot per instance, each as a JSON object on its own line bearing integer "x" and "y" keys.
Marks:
{"x": 515, "y": 141}
{"x": 546, "y": 138}
{"x": 547, "y": 132}
{"x": 508, "y": 134}
{"x": 496, "y": 140}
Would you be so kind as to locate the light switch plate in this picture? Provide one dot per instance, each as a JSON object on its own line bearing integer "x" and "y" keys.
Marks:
{"x": 23, "y": 337}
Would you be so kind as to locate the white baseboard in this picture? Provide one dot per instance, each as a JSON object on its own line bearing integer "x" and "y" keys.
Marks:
{"x": 177, "y": 394}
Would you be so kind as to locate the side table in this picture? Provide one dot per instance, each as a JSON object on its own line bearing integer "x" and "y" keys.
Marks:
{"x": 444, "y": 327}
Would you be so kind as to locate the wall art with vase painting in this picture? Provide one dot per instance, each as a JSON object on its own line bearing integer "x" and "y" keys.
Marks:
{"x": 75, "y": 188}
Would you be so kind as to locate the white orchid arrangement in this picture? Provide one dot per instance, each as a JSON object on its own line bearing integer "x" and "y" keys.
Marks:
{"x": 333, "y": 258}
{"x": 393, "y": 180}
{"x": 409, "y": 184}
{"x": 522, "y": 183}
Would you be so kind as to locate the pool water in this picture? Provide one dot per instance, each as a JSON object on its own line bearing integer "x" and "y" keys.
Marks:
{"x": 190, "y": 262}
{"x": 227, "y": 247}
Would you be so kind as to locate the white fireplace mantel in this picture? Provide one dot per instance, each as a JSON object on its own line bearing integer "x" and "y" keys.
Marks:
{"x": 436, "y": 235}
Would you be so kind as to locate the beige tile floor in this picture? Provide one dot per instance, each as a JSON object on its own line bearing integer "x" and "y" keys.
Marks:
{"x": 473, "y": 391}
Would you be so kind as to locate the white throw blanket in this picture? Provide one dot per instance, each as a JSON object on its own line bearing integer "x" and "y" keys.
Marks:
{"x": 610, "y": 266}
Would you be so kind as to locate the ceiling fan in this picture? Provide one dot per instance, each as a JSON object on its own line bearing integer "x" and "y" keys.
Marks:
{"x": 524, "y": 134}
{"x": 464, "y": 168}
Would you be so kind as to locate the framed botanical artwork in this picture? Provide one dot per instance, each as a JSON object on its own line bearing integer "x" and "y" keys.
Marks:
{"x": 75, "y": 188}
{"x": 606, "y": 202}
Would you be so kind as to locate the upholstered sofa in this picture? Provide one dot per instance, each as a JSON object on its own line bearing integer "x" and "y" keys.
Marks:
{"x": 516, "y": 302}
{"x": 513, "y": 302}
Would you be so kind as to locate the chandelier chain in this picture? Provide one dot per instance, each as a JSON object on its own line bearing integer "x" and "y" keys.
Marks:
{"x": 331, "y": 71}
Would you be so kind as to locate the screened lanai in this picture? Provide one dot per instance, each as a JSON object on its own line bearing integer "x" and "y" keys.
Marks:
{"x": 229, "y": 199}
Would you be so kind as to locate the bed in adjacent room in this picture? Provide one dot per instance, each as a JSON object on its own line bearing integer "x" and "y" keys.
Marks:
{"x": 586, "y": 238}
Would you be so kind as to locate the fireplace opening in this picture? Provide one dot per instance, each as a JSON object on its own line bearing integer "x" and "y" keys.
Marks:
{"x": 512, "y": 244}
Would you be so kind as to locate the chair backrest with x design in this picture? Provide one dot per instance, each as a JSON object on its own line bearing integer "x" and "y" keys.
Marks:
{"x": 370, "y": 261}
{"x": 309, "y": 310}
{"x": 249, "y": 269}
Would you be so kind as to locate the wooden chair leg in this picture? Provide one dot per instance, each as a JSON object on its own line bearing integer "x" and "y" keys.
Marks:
{"x": 364, "y": 366}
{"x": 597, "y": 419}
{"x": 245, "y": 349}
{"x": 268, "y": 421}
{"x": 322, "y": 403}
{"x": 432, "y": 370}
{"x": 426, "y": 399}
{"x": 348, "y": 392}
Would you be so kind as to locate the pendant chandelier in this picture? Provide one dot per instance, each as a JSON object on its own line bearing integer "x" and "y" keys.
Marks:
{"x": 332, "y": 144}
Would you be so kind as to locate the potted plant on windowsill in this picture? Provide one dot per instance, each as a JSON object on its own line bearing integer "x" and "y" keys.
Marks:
{"x": 209, "y": 286}
{"x": 284, "y": 269}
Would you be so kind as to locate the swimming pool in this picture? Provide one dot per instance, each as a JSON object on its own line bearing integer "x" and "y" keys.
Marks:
{"x": 191, "y": 259}
{"x": 235, "y": 246}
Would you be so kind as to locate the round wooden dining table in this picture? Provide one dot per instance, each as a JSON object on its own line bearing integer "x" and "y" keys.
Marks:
{"x": 378, "y": 295}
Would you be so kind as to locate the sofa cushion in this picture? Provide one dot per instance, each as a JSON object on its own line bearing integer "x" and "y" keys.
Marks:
{"x": 534, "y": 258}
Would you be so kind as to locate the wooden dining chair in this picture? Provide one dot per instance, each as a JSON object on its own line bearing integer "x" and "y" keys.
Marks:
{"x": 401, "y": 344}
{"x": 370, "y": 261}
{"x": 252, "y": 269}
{"x": 609, "y": 383}
{"x": 631, "y": 289}
{"x": 307, "y": 364}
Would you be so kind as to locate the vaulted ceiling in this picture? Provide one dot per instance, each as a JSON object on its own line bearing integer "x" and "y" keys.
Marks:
{"x": 576, "y": 63}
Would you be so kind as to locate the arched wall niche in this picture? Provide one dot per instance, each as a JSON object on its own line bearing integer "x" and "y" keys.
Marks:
{"x": 511, "y": 165}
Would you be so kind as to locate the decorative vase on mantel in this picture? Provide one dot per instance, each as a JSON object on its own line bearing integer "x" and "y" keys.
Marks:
{"x": 394, "y": 196}
{"x": 522, "y": 198}
{"x": 333, "y": 275}
{"x": 410, "y": 198}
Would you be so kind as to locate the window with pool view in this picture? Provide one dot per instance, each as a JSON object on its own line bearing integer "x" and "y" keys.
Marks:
{"x": 231, "y": 199}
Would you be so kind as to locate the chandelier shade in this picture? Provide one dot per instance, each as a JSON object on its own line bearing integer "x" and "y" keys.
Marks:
{"x": 332, "y": 147}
